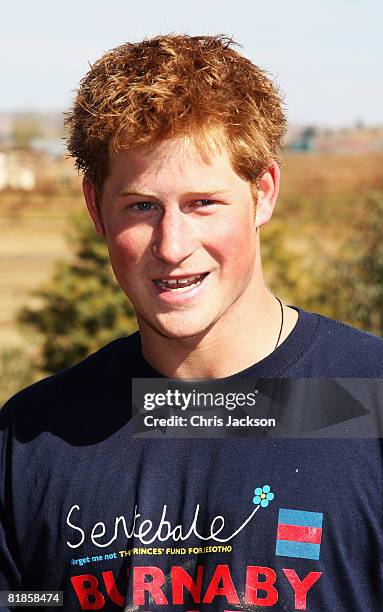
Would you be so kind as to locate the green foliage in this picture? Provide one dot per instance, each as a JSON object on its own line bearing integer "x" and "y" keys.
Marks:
{"x": 326, "y": 255}
{"x": 282, "y": 265}
{"x": 16, "y": 372}
{"x": 81, "y": 307}
{"x": 356, "y": 282}
{"x": 293, "y": 255}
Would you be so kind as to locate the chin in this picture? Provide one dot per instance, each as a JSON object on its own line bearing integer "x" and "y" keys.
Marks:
{"x": 181, "y": 332}
{"x": 180, "y": 328}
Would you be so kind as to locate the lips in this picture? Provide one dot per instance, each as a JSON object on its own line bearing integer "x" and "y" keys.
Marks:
{"x": 180, "y": 282}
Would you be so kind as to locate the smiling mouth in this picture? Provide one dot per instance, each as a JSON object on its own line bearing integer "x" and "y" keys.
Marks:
{"x": 177, "y": 284}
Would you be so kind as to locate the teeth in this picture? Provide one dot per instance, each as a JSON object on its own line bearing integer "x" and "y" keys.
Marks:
{"x": 191, "y": 281}
{"x": 180, "y": 281}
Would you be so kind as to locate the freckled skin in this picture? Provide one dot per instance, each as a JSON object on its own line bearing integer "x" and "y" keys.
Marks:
{"x": 172, "y": 211}
{"x": 178, "y": 236}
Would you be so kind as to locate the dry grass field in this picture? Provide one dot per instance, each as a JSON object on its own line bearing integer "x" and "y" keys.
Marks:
{"x": 325, "y": 173}
{"x": 33, "y": 237}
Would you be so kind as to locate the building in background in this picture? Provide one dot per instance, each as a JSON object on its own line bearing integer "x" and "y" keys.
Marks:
{"x": 16, "y": 171}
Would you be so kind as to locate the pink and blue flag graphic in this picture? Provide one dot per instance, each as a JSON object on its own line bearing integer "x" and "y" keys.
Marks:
{"x": 299, "y": 534}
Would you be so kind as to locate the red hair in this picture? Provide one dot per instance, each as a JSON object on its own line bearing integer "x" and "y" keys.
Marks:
{"x": 171, "y": 86}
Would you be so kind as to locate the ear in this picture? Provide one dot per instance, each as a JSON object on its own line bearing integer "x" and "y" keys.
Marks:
{"x": 268, "y": 188}
{"x": 91, "y": 199}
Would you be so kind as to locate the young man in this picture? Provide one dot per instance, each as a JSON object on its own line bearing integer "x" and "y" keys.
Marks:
{"x": 178, "y": 139}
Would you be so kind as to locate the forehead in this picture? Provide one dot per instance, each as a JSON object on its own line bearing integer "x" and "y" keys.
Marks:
{"x": 178, "y": 162}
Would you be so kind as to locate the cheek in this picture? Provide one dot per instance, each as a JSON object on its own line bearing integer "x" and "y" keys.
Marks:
{"x": 126, "y": 251}
{"x": 234, "y": 243}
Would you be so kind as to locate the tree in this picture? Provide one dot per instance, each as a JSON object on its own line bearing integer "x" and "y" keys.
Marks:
{"x": 354, "y": 288}
{"x": 366, "y": 275}
{"x": 81, "y": 308}
{"x": 16, "y": 372}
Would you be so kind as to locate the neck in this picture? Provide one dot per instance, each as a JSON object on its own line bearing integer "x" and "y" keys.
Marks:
{"x": 238, "y": 340}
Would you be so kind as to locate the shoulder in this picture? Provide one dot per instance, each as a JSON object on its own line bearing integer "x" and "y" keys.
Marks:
{"x": 341, "y": 350}
{"x": 349, "y": 339}
{"x": 86, "y": 385}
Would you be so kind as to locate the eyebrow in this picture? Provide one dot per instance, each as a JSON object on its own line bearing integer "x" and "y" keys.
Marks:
{"x": 128, "y": 191}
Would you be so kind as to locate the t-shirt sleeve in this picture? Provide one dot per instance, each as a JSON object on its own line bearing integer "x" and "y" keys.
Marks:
{"x": 10, "y": 575}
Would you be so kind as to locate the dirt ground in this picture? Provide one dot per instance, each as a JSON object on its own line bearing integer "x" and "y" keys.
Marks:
{"x": 32, "y": 241}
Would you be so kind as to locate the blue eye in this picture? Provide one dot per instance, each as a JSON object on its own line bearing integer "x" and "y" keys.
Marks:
{"x": 206, "y": 202}
{"x": 143, "y": 206}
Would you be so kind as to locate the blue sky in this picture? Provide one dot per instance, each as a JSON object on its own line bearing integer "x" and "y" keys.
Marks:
{"x": 326, "y": 55}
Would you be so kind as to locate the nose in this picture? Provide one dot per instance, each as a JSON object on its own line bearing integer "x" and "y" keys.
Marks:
{"x": 174, "y": 237}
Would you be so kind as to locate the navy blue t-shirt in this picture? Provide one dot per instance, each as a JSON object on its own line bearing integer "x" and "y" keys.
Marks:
{"x": 118, "y": 522}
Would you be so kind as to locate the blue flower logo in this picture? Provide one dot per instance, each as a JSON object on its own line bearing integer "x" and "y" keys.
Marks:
{"x": 263, "y": 496}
